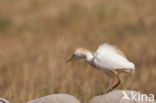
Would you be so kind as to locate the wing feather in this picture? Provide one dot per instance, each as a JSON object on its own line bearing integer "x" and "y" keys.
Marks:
{"x": 109, "y": 48}
{"x": 106, "y": 57}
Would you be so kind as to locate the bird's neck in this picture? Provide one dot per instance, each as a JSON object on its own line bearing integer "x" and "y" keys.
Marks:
{"x": 89, "y": 57}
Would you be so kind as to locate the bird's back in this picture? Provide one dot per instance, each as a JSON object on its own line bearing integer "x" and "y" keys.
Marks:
{"x": 106, "y": 58}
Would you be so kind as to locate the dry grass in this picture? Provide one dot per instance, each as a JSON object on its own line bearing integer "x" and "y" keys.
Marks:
{"x": 36, "y": 37}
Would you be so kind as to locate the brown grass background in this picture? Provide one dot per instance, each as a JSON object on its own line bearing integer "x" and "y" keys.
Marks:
{"x": 37, "y": 36}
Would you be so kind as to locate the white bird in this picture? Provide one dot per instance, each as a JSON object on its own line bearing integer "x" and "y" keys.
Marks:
{"x": 107, "y": 58}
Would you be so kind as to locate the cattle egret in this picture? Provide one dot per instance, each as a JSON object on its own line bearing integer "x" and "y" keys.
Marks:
{"x": 107, "y": 58}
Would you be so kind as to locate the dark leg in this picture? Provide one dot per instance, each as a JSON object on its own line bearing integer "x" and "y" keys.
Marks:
{"x": 117, "y": 84}
{"x": 110, "y": 87}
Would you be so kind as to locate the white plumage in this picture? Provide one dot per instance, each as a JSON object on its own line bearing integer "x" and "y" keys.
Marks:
{"x": 108, "y": 59}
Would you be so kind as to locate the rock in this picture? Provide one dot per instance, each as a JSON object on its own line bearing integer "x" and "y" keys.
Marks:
{"x": 3, "y": 101}
{"x": 56, "y": 98}
{"x": 121, "y": 96}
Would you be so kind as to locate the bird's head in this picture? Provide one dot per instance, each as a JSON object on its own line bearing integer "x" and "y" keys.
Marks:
{"x": 78, "y": 54}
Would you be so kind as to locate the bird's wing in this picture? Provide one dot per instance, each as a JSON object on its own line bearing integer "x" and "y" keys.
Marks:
{"x": 107, "y": 57}
{"x": 107, "y": 48}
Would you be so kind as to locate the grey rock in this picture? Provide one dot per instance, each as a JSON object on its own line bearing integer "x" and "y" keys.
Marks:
{"x": 116, "y": 96}
{"x": 56, "y": 98}
{"x": 3, "y": 100}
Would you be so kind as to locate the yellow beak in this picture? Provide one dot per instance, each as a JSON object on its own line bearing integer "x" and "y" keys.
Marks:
{"x": 70, "y": 59}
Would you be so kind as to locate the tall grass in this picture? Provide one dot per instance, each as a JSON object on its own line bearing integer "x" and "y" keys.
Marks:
{"x": 36, "y": 37}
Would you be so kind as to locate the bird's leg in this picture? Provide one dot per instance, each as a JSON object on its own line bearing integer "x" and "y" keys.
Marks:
{"x": 110, "y": 86}
{"x": 119, "y": 81}
{"x": 112, "y": 83}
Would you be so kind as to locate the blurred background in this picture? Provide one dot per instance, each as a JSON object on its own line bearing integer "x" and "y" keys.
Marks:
{"x": 37, "y": 36}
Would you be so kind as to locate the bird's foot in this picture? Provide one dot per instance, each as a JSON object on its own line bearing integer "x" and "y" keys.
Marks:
{"x": 105, "y": 92}
{"x": 109, "y": 90}
{"x": 100, "y": 93}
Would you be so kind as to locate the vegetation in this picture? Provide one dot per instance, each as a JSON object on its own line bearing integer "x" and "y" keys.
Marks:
{"x": 37, "y": 36}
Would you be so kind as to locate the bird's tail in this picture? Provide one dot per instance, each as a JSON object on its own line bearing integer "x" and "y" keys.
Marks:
{"x": 131, "y": 69}
{"x": 132, "y": 72}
